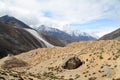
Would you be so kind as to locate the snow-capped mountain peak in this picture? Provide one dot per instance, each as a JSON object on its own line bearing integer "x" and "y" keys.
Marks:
{"x": 46, "y": 28}
{"x": 75, "y": 32}
{"x": 67, "y": 34}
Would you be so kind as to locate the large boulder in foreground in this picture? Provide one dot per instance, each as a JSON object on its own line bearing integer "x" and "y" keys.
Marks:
{"x": 72, "y": 63}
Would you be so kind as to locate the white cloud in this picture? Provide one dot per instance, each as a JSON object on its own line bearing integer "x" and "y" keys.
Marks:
{"x": 102, "y": 32}
{"x": 63, "y": 11}
{"x": 75, "y": 11}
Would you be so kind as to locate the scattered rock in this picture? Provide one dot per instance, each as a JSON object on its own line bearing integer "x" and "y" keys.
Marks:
{"x": 72, "y": 63}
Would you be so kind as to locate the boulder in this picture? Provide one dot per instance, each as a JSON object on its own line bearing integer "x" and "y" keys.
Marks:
{"x": 72, "y": 63}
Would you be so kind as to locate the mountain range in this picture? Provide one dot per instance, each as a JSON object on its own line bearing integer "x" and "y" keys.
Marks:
{"x": 65, "y": 36}
{"x": 17, "y": 37}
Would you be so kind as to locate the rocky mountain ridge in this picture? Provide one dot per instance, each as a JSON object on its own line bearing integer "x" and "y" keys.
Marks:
{"x": 65, "y": 36}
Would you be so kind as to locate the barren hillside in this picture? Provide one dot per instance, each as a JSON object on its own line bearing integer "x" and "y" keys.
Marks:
{"x": 101, "y": 61}
{"x": 113, "y": 35}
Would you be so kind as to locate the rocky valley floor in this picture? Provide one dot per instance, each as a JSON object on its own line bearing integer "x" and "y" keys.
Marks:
{"x": 101, "y": 61}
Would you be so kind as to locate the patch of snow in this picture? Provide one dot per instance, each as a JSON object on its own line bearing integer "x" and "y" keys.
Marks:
{"x": 38, "y": 36}
{"x": 67, "y": 29}
{"x": 46, "y": 28}
{"x": 75, "y": 32}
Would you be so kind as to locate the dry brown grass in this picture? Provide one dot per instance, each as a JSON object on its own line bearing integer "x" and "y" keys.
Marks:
{"x": 101, "y": 61}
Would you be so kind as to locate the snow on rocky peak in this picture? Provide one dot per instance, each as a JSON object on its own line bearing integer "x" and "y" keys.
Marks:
{"x": 46, "y": 28}
{"x": 67, "y": 29}
{"x": 76, "y": 32}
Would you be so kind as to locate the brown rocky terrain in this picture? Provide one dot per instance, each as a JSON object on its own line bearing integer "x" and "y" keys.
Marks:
{"x": 100, "y": 61}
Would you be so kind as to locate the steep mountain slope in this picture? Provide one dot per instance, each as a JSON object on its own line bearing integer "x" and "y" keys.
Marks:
{"x": 16, "y": 40}
{"x": 37, "y": 35}
{"x": 100, "y": 62}
{"x": 16, "y": 37}
{"x": 65, "y": 36}
{"x": 113, "y": 35}
{"x": 51, "y": 41}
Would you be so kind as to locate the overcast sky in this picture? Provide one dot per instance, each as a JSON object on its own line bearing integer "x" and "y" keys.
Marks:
{"x": 97, "y": 16}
